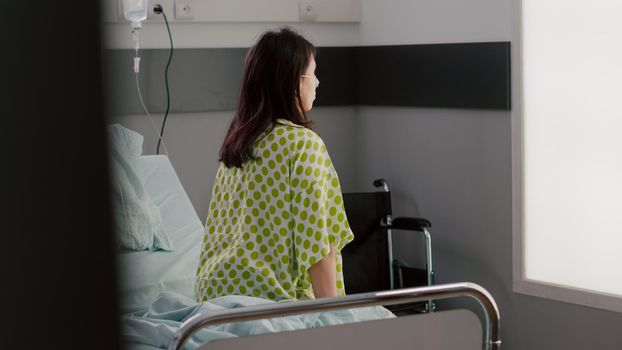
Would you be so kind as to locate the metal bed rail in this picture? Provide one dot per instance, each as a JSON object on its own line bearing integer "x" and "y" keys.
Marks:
{"x": 491, "y": 339}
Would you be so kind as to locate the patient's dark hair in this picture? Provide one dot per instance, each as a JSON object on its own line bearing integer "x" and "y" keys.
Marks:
{"x": 270, "y": 90}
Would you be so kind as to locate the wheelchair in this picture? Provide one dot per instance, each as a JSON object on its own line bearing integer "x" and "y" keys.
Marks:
{"x": 368, "y": 263}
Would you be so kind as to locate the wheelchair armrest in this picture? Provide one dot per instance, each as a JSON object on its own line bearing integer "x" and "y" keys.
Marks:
{"x": 411, "y": 224}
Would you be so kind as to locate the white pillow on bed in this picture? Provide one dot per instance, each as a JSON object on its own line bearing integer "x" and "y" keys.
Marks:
{"x": 144, "y": 274}
{"x": 137, "y": 220}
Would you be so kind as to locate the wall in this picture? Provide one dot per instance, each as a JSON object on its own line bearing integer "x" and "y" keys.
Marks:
{"x": 202, "y": 35}
{"x": 454, "y": 168}
{"x": 394, "y": 22}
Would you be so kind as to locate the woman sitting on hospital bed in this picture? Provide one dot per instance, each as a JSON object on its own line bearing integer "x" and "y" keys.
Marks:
{"x": 276, "y": 221}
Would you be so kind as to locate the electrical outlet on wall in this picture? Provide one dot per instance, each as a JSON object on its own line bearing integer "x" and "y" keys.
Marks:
{"x": 168, "y": 7}
{"x": 184, "y": 10}
{"x": 307, "y": 10}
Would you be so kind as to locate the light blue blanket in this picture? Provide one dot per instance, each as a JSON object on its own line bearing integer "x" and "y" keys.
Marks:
{"x": 154, "y": 327}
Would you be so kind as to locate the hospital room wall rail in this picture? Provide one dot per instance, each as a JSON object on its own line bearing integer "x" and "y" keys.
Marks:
{"x": 391, "y": 297}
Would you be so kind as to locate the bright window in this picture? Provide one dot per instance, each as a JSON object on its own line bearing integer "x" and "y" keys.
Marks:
{"x": 569, "y": 160}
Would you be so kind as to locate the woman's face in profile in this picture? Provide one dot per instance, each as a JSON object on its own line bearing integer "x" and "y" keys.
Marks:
{"x": 308, "y": 83}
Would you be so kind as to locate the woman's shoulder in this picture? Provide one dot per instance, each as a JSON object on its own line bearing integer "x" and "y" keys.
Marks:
{"x": 292, "y": 131}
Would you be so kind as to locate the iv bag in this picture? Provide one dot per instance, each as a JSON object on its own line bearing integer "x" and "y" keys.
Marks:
{"x": 135, "y": 10}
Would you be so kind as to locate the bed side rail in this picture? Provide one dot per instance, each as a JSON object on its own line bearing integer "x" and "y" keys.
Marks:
{"x": 391, "y": 297}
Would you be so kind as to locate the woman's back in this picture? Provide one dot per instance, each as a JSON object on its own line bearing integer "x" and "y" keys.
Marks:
{"x": 272, "y": 219}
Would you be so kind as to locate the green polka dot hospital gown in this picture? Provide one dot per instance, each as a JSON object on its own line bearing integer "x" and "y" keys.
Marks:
{"x": 272, "y": 219}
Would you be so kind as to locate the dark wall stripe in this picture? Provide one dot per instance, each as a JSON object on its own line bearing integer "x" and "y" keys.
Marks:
{"x": 470, "y": 75}
{"x": 337, "y": 72}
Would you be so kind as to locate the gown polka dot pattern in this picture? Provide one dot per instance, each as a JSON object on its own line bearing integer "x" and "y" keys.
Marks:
{"x": 272, "y": 219}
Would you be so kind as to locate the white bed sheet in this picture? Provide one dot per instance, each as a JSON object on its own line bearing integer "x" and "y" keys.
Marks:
{"x": 144, "y": 274}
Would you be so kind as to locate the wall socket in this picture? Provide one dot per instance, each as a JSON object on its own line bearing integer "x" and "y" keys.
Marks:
{"x": 184, "y": 10}
{"x": 307, "y": 10}
{"x": 167, "y": 5}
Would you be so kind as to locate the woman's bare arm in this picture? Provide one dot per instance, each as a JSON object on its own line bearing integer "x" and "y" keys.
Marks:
{"x": 324, "y": 276}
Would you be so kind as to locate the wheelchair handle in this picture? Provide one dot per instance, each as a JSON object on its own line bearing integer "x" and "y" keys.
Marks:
{"x": 413, "y": 224}
{"x": 382, "y": 183}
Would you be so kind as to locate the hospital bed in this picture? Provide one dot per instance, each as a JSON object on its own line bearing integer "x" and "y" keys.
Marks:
{"x": 161, "y": 283}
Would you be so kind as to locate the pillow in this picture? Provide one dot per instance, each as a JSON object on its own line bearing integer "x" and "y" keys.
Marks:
{"x": 137, "y": 220}
{"x": 144, "y": 274}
